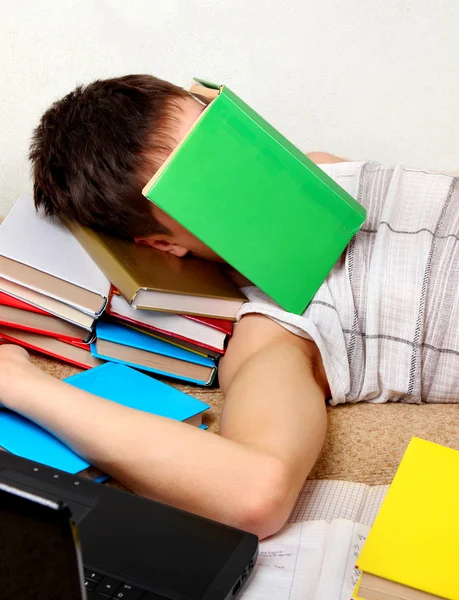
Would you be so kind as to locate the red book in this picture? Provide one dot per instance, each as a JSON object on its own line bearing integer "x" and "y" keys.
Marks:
{"x": 74, "y": 353}
{"x": 38, "y": 321}
{"x": 220, "y": 324}
{"x": 197, "y": 331}
{"x": 7, "y": 300}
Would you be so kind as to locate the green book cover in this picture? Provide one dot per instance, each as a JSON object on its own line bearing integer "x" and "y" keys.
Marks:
{"x": 255, "y": 199}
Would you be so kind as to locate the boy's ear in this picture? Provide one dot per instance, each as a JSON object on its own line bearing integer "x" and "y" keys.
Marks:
{"x": 163, "y": 244}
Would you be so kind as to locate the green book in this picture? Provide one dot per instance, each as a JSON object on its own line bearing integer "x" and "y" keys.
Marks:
{"x": 248, "y": 193}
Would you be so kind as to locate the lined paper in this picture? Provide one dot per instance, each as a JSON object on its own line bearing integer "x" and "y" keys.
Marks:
{"x": 313, "y": 557}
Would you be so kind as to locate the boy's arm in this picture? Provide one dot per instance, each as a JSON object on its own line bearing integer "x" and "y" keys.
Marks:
{"x": 273, "y": 427}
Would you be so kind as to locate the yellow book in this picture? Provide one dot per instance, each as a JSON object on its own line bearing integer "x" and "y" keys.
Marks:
{"x": 414, "y": 541}
{"x": 355, "y": 595}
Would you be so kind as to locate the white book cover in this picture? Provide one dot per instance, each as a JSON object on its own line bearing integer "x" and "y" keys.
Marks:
{"x": 31, "y": 238}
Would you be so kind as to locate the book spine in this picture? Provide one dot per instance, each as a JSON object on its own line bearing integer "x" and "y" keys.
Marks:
{"x": 107, "y": 260}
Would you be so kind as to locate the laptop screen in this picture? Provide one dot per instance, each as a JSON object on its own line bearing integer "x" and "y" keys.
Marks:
{"x": 39, "y": 553}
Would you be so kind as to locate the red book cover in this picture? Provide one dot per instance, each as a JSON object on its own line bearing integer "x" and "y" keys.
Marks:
{"x": 68, "y": 340}
{"x": 220, "y": 324}
{"x": 77, "y": 343}
{"x": 42, "y": 323}
{"x": 8, "y": 300}
{"x": 74, "y": 353}
{"x": 163, "y": 331}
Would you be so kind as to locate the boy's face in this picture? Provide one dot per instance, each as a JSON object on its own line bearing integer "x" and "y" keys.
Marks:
{"x": 179, "y": 241}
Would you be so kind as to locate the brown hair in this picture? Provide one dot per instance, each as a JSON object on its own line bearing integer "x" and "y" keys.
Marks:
{"x": 92, "y": 147}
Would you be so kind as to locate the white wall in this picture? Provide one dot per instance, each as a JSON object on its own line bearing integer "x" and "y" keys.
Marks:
{"x": 360, "y": 78}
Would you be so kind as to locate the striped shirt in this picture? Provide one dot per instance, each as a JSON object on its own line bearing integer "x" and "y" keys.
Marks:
{"x": 386, "y": 319}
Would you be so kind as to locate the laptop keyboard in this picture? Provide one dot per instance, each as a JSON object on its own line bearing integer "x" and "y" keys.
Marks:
{"x": 100, "y": 586}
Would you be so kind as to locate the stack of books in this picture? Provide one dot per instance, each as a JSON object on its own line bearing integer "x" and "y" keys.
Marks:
{"x": 168, "y": 315}
{"x": 86, "y": 298}
{"x": 51, "y": 291}
{"x": 412, "y": 551}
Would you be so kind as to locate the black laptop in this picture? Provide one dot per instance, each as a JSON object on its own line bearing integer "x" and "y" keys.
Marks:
{"x": 131, "y": 548}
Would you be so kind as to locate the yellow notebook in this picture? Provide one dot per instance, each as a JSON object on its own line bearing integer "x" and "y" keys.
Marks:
{"x": 415, "y": 538}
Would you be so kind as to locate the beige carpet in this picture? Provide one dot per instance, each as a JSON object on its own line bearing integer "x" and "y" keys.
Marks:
{"x": 365, "y": 442}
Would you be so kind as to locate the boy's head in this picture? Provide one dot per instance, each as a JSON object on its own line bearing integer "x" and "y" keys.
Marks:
{"x": 95, "y": 149}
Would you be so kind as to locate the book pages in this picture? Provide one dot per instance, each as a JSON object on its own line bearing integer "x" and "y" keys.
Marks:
{"x": 313, "y": 557}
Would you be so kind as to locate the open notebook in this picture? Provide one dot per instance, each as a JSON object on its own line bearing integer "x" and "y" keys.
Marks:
{"x": 314, "y": 556}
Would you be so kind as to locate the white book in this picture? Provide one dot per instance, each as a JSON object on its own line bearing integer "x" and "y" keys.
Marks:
{"x": 40, "y": 253}
{"x": 170, "y": 323}
{"x": 313, "y": 557}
